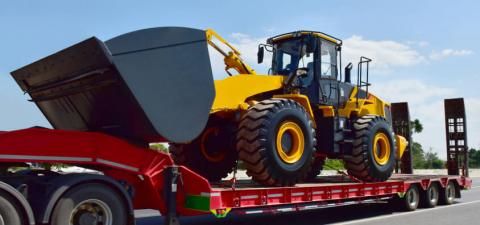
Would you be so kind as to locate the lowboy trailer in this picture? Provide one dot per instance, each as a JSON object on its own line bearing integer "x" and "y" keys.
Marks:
{"x": 137, "y": 178}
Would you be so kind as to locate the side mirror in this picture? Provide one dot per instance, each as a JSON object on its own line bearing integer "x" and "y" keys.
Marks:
{"x": 348, "y": 70}
{"x": 260, "y": 54}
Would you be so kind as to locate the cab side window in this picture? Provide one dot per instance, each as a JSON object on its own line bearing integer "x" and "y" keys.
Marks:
{"x": 328, "y": 60}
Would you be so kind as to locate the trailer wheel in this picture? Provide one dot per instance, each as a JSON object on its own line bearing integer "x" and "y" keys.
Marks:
{"x": 212, "y": 154}
{"x": 90, "y": 204}
{"x": 410, "y": 201}
{"x": 10, "y": 212}
{"x": 447, "y": 194}
{"x": 275, "y": 140}
{"x": 429, "y": 197}
{"x": 373, "y": 154}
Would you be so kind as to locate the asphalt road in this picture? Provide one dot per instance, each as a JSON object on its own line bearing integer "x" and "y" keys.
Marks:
{"x": 464, "y": 211}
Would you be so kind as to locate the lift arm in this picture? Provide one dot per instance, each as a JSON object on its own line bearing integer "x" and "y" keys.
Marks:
{"x": 232, "y": 59}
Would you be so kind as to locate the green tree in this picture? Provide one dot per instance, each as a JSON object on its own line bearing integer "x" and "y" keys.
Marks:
{"x": 432, "y": 161}
{"x": 418, "y": 156}
{"x": 416, "y": 126}
{"x": 474, "y": 158}
{"x": 161, "y": 147}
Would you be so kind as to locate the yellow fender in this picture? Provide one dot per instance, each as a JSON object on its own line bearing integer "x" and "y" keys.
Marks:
{"x": 401, "y": 145}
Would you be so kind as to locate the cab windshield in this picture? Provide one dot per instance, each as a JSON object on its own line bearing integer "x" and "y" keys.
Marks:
{"x": 291, "y": 55}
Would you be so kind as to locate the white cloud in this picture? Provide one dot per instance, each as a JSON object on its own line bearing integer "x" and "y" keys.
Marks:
{"x": 385, "y": 53}
{"x": 437, "y": 55}
{"x": 426, "y": 104}
{"x": 411, "y": 90}
{"x": 418, "y": 43}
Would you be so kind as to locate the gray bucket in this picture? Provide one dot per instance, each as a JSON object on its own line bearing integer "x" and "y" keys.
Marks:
{"x": 148, "y": 85}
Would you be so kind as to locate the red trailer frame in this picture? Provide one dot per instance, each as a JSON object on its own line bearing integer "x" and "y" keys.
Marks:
{"x": 161, "y": 185}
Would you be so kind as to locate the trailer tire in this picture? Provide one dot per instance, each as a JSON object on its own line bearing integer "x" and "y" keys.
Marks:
{"x": 85, "y": 202}
{"x": 212, "y": 154}
{"x": 447, "y": 194}
{"x": 373, "y": 153}
{"x": 276, "y": 142}
{"x": 410, "y": 200}
{"x": 10, "y": 212}
{"x": 429, "y": 197}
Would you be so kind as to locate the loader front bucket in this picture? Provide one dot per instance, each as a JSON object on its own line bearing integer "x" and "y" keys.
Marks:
{"x": 148, "y": 85}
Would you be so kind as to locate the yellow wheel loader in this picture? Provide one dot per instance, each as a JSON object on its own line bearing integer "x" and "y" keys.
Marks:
{"x": 156, "y": 85}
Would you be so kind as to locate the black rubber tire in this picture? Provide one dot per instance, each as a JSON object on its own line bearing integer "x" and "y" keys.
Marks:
{"x": 256, "y": 140}
{"x": 411, "y": 200}
{"x": 361, "y": 163}
{"x": 65, "y": 206}
{"x": 317, "y": 167}
{"x": 429, "y": 197}
{"x": 447, "y": 194}
{"x": 10, "y": 212}
{"x": 190, "y": 155}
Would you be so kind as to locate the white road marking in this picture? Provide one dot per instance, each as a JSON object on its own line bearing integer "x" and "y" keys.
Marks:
{"x": 404, "y": 214}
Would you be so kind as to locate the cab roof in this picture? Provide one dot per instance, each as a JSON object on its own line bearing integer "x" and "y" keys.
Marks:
{"x": 301, "y": 33}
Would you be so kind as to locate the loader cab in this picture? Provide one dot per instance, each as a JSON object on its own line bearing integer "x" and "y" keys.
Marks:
{"x": 312, "y": 60}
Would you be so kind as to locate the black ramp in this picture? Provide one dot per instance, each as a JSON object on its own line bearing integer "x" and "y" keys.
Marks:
{"x": 456, "y": 136}
{"x": 148, "y": 85}
{"x": 179, "y": 91}
{"x": 401, "y": 126}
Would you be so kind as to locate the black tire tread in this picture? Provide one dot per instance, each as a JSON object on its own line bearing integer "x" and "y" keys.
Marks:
{"x": 251, "y": 139}
{"x": 358, "y": 164}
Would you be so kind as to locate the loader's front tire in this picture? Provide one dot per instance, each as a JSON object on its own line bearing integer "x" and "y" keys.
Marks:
{"x": 212, "y": 154}
{"x": 373, "y": 154}
{"x": 275, "y": 141}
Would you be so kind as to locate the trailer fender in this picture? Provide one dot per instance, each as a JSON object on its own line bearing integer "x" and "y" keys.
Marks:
{"x": 21, "y": 199}
{"x": 64, "y": 183}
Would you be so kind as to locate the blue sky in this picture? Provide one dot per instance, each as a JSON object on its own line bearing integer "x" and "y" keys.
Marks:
{"x": 423, "y": 51}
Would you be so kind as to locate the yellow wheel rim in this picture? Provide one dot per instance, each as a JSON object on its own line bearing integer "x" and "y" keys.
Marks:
{"x": 290, "y": 142}
{"x": 381, "y": 149}
{"x": 217, "y": 156}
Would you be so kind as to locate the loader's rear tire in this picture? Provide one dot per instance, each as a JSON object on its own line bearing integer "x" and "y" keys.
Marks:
{"x": 276, "y": 142}
{"x": 212, "y": 154}
{"x": 373, "y": 154}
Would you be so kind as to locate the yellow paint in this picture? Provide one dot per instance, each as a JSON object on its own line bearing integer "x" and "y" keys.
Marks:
{"x": 317, "y": 34}
{"x": 401, "y": 145}
{"x": 295, "y": 153}
{"x": 327, "y": 110}
{"x": 232, "y": 92}
{"x": 381, "y": 149}
{"x": 372, "y": 105}
{"x": 302, "y": 99}
{"x": 232, "y": 58}
{"x": 220, "y": 213}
